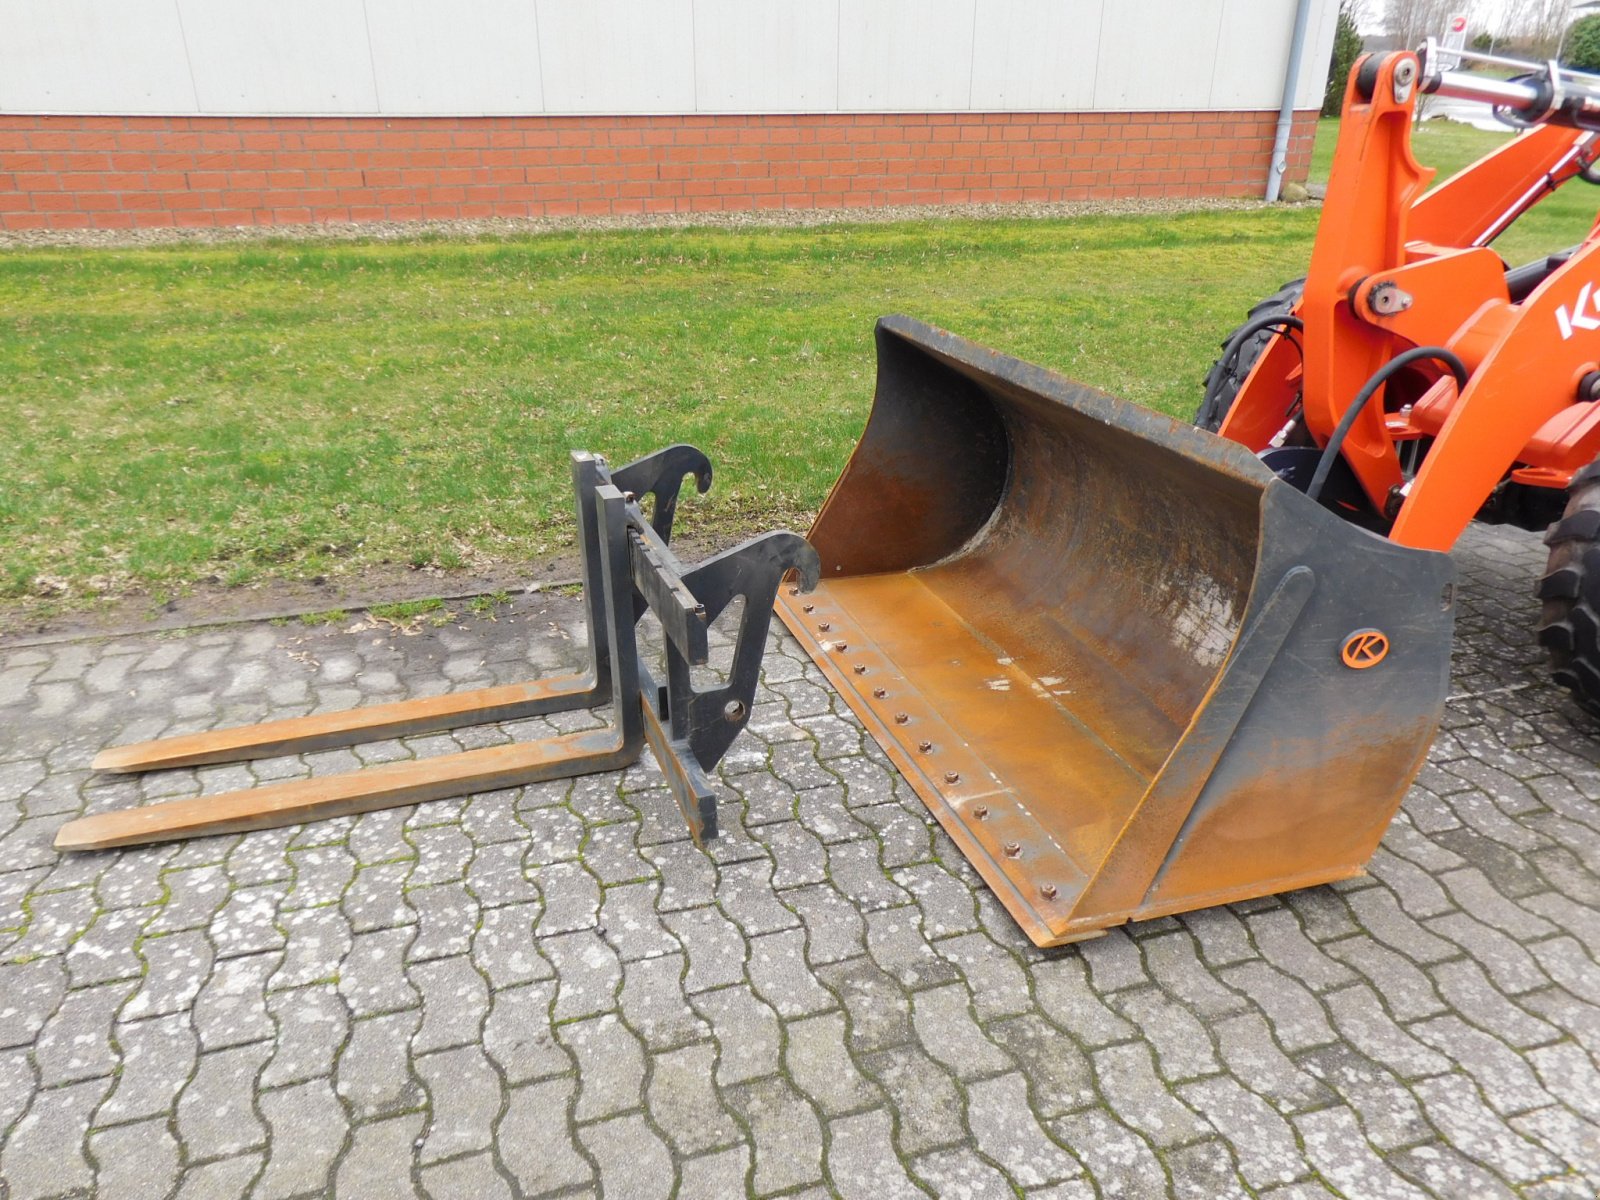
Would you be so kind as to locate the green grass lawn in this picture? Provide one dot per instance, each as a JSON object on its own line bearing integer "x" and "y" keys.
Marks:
{"x": 293, "y": 410}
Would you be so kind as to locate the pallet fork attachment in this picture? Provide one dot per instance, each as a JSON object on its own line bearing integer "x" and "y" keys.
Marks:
{"x": 628, "y": 569}
{"x": 1129, "y": 670}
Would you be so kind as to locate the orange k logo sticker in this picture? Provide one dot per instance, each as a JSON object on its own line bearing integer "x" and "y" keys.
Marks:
{"x": 1364, "y": 648}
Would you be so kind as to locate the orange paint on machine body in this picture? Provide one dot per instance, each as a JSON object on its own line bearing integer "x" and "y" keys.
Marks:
{"x": 1395, "y": 269}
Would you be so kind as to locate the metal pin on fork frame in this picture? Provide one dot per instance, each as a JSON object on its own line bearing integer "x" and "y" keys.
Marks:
{"x": 627, "y": 570}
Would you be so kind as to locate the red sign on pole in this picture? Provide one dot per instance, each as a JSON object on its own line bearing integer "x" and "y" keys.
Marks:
{"x": 1455, "y": 38}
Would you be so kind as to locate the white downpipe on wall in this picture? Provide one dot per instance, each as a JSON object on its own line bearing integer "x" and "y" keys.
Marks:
{"x": 1291, "y": 84}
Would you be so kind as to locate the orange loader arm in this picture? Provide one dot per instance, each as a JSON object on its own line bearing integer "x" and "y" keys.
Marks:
{"x": 1394, "y": 269}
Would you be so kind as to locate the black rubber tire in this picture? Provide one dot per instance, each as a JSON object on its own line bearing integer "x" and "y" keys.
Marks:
{"x": 1569, "y": 621}
{"x": 1219, "y": 398}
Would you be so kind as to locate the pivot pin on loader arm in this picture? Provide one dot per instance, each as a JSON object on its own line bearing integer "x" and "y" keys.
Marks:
{"x": 628, "y": 569}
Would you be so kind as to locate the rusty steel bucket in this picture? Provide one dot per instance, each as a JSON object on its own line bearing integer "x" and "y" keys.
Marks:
{"x": 1129, "y": 670}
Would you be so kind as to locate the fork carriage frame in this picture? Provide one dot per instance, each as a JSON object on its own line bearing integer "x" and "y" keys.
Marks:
{"x": 628, "y": 569}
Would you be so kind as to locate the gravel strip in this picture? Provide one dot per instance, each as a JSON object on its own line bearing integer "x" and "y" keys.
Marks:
{"x": 505, "y": 227}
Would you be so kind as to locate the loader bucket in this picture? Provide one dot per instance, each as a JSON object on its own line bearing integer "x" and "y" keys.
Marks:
{"x": 1129, "y": 670}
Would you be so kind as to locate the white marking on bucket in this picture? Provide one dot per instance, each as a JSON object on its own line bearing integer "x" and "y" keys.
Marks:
{"x": 998, "y": 685}
{"x": 1204, "y": 626}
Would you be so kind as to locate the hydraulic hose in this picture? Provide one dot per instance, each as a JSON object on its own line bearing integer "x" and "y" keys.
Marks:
{"x": 1230, "y": 352}
{"x": 1369, "y": 389}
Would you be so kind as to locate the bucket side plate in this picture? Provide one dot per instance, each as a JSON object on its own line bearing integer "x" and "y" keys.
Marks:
{"x": 1024, "y": 600}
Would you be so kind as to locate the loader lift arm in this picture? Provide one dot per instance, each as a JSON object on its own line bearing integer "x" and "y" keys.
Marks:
{"x": 1394, "y": 269}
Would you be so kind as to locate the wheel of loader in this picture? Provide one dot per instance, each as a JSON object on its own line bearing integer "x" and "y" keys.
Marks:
{"x": 1569, "y": 624}
{"x": 1226, "y": 377}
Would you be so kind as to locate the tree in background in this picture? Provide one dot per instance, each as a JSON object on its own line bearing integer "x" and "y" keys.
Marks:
{"x": 1412, "y": 20}
{"x": 1528, "y": 28}
{"x": 1540, "y": 24}
{"x": 1346, "y": 46}
{"x": 1583, "y": 44}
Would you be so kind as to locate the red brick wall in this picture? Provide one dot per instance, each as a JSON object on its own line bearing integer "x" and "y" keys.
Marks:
{"x": 118, "y": 172}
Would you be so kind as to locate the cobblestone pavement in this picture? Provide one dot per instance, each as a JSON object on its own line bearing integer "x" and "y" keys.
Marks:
{"x": 550, "y": 990}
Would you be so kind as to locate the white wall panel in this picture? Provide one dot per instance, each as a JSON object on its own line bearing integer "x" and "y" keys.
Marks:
{"x": 905, "y": 55}
{"x": 1252, "y": 53}
{"x": 617, "y": 55}
{"x": 1035, "y": 54}
{"x": 766, "y": 55}
{"x": 1319, "y": 49}
{"x": 650, "y": 56}
{"x": 1157, "y": 53}
{"x": 471, "y": 56}
{"x": 287, "y": 56}
{"x": 93, "y": 56}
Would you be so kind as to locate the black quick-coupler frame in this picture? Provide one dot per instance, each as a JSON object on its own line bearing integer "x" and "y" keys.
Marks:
{"x": 628, "y": 570}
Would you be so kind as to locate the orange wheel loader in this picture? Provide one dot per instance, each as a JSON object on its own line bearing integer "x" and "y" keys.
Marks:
{"x": 1136, "y": 667}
